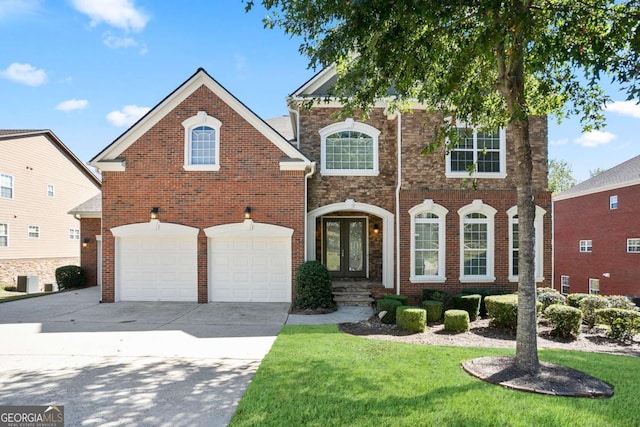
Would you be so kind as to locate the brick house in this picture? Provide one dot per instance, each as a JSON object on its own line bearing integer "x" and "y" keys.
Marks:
{"x": 600, "y": 252}
{"x": 240, "y": 206}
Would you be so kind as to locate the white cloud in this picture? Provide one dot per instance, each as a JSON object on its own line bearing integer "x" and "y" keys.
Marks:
{"x": 25, "y": 73}
{"x": 561, "y": 141}
{"x": 595, "y": 138}
{"x": 18, "y": 7}
{"x": 73, "y": 104}
{"x": 127, "y": 116}
{"x": 626, "y": 108}
{"x": 115, "y": 42}
{"x": 117, "y": 13}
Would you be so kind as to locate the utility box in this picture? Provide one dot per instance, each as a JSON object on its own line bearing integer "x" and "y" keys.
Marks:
{"x": 28, "y": 284}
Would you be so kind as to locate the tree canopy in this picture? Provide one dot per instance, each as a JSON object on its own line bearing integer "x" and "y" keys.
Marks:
{"x": 560, "y": 176}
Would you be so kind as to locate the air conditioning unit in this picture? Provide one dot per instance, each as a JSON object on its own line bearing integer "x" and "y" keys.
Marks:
{"x": 28, "y": 284}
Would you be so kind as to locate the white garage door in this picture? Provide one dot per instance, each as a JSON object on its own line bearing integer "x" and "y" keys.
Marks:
{"x": 153, "y": 267}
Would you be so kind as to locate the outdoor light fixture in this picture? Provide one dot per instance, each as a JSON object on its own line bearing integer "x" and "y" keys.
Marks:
{"x": 85, "y": 242}
{"x": 154, "y": 213}
{"x": 247, "y": 213}
{"x": 376, "y": 228}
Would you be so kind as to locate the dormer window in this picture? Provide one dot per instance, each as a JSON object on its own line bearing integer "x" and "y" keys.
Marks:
{"x": 349, "y": 148}
{"x": 202, "y": 143}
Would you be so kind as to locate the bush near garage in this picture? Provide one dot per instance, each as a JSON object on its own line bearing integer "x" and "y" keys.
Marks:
{"x": 313, "y": 286}
{"x": 567, "y": 320}
{"x": 70, "y": 276}
{"x": 623, "y": 324}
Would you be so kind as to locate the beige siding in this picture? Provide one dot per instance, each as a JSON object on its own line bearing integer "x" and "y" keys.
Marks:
{"x": 35, "y": 162}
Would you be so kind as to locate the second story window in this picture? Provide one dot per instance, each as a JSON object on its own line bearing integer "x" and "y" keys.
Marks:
{"x": 586, "y": 246}
{"x": 50, "y": 190}
{"x": 633, "y": 246}
{"x": 613, "y": 202}
{"x": 349, "y": 148}
{"x": 202, "y": 142}
{"x": 478, "y": 153}
{"x": 6, "y": 186}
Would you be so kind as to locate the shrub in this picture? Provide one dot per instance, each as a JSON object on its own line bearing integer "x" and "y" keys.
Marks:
{"x": 70, "y": 276}
{"x": 403, "y": 299}
{"x": 412, "y": 319}
{"x": 434, "y": 295}
{"x": 620, "y": 301}
{"x": 567, "y": 320}
{"x": 574, "y": 299}
{"x": 390, "y": 306}
{"x": 589, "y": 305}
{"x": 623, "y": 324}
{"x": 456, "y": 320}
{"x": 468, "y": 303}
{"x": 313, "y": 286}
{"x": 434, "y": 310}
{"x": 483, "y": 293}
{"x": 503, "y": 310}
{"x": 10, "y": 288}
{"x": 548, "y": 296}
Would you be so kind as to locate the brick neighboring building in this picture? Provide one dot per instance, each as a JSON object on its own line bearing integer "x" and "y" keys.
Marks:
{"x": 354, "y": 194}
{"x": 597, "y": 233}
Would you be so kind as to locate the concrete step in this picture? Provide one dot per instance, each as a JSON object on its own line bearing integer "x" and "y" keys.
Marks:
{"x": 351, "y": 292}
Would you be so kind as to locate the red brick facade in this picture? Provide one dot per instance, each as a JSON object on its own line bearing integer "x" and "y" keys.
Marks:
{"x": 588, "y": 217}
{"x": 90, "y": 228}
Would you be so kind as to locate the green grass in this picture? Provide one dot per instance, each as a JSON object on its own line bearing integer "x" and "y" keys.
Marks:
{"x": 318, "y": 376}
{"x": 6, "y": 296}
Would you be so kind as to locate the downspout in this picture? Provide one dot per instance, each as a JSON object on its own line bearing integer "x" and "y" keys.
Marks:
{"x": 312, "y": 169}
{"x": 399, "y": 144}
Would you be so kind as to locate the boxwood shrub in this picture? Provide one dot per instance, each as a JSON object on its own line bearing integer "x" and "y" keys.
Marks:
{"x": 434, "y": 295}
{"x": 313, "y": 286}
{"x": 468, "y": 303}
{"x": 390, "y": 306}
{"x": 567, "y": 320}
{"x": 623, "y": 324}
{"x": 574, "y": 299}
{"x": 549, "y": 296}
{"x": 503, "y": 310}
{"x": 403, "y": 299}
{"x": 434, "y": 310}
{"x": 70, "y": 276}
{"x": 620, "y": 301}
{"x": 456, "y": 320}
{"x": 589, "y": 305}
{"x": 412, "y": 319}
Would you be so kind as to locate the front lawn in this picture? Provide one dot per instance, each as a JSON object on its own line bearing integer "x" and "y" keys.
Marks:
{"x": 6, "y": 296}
{"x": 318, "y": 376}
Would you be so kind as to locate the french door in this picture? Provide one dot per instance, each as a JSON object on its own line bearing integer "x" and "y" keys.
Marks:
{"x": 344, "y": 246}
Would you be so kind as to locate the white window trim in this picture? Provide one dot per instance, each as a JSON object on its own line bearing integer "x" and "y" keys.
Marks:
{"x": 428, "y": 206}
{"x": 348, "y": 124}
{"x": 477, "y": 206}
{"x": 74, "y": 234}
{"x": 637, "y": 239}
{"x": 591, "y": 289}
{"x": 29, "y": 231}
{"x": 613, "y": 202}
{"x": 7, "y": 235}
{"x": 538, "y": 224}
{"x": 13, "y": 187}
{"x": 475, "y": 174}
{"x": 584, "y": 245}
{"x": 53, "y": 190}
{"x": 564, "y": 283}
{"x": 201, "y": 119}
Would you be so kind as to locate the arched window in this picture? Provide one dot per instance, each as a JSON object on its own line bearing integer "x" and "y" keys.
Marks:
{"x": 514, "y": 246}
{"x": 349, "y": 148}
{"x": 428, "y": 242}
{"x": 202, "y": 142}
{"x": 477, "y": 242}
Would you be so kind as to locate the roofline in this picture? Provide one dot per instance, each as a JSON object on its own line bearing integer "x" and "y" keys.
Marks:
{"x": 317, "y": 80}
{"x": 571, "y": 195}
{"x": 52, "y": 136}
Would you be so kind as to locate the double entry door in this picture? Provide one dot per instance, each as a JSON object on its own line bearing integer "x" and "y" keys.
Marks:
{"x": 344, "y": 246}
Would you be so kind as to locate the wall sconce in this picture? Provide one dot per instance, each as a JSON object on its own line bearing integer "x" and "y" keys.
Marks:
{"x": 154, "y": 213}
{"x": 376, "y": 228}
{"x": 85, "y": 242}
{"x": 247, "y": 213}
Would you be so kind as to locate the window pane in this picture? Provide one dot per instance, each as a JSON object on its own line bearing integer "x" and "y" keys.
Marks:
{"x": 6, "y": 186}
{"x": 356, "y": 251}
{"x": 4, "y": 235}
{"x": 515, "y": 250}
{"x": 333, "y": 245}
{"x": 348, "y": 150}
{"x": 461, "y": 161}
{"x": 203, "y": 144}
{"x": 633, "y": 245}
{"x": 489, "y": 161}
{"x": 475, "y": 248}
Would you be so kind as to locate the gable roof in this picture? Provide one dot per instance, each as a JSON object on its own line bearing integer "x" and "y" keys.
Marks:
{"x": 623, "y": 175}
{"x": 109, "y": 156}
{"x": 91, "y": 208}
{"x": 6, "y": 134}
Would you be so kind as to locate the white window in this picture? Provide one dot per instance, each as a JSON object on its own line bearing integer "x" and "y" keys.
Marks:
{"x": 564, "y": 285}
{"x": 633, "y": 246}
{"x": 613, "y": 202}
{"x": 202, "y": 142}
{"x": 349, "y": 148}
{"x": 428, "y": 225}
{"x": 4, "y": 235}
{"x": 477, "y": 242}
{"x": 594, "y": 286}
{"x": 50, "y": 190}
{"x": 478, "y": 153}
{"x": 74, "y": 234}
{"x": 586, "y": 246}
{"x": 514, "y": 245}
{"x": 6, "y": 186}
{"x": 33, "y": 231}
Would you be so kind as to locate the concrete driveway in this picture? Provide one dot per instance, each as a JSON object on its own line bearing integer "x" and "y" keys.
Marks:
{"x": 152, "y": 364}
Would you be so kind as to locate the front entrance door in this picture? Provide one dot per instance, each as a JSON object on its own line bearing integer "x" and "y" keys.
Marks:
{"x": 344, "y": 246}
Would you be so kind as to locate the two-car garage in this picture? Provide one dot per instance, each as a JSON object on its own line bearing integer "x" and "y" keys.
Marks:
{"x": 247, "y": 262}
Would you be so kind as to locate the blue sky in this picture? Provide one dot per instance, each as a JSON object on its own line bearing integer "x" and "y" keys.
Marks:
{"x": 87, "y": 69}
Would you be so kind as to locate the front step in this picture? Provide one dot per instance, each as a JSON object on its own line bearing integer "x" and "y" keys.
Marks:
{"x": 353, "y": 293}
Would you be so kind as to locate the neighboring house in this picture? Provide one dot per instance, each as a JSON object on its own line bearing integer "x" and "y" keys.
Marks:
{"x": 202, "y": 200}
{"x": 597, "y": 234}
{"x": 40, "y": 180}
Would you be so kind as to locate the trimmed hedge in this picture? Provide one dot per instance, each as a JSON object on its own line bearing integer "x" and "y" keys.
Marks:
{"x": 313, "y": 286}
{"x": 434, "y": 295}
{"x": 390, "y": 306}
{"x": 403, "y": 299}
{"x": 70, "y": 276}
{"x": 567, "y": 320}
{"x": 456, "y": 320}
{"x": 468, "y": 303}
{"x": 549, "y": 296}
{"x": 623, "y": 324}
{"x": 483, "y": 293}
{"x": 589, "y": 305}
{"x": 574, "y": 299}
{"x": 620, "y": 301}
{"x": 412, "y": 319}
{"x": 503, "y": 310}
{"x": 434, "y": 310}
